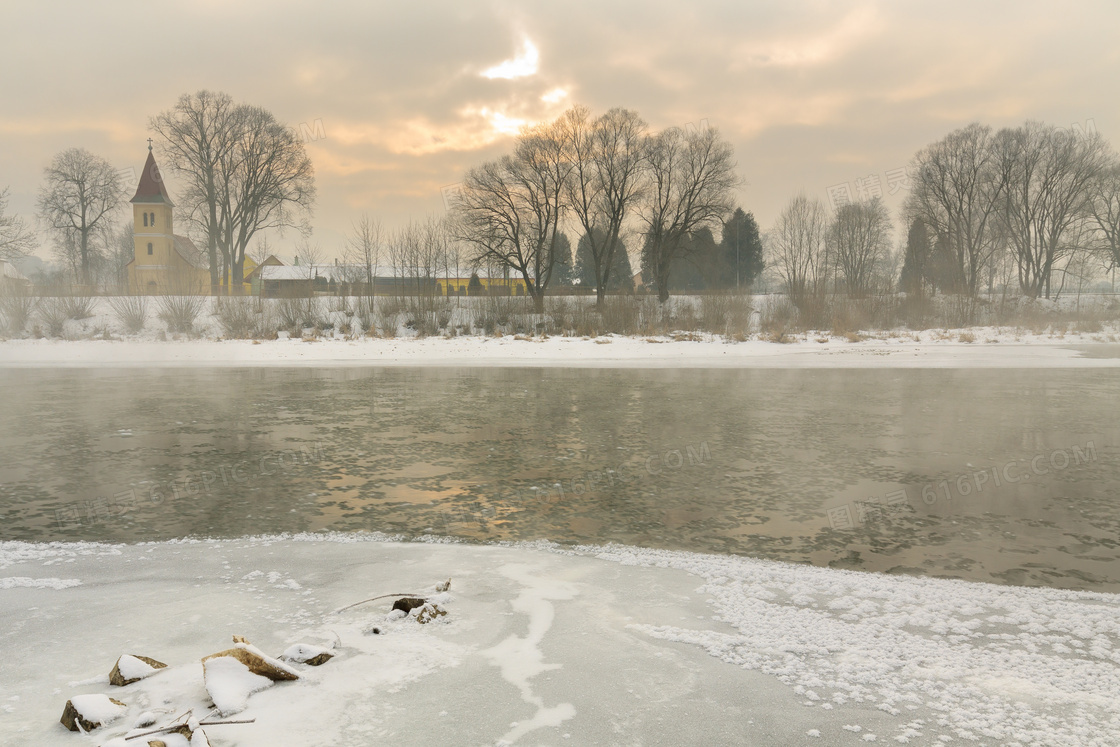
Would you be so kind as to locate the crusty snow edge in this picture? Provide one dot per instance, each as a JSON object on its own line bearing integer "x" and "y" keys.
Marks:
{"x": 567, "y": 352}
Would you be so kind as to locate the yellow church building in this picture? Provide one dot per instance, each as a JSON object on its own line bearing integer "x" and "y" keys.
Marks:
{"x": 162, "y": 263}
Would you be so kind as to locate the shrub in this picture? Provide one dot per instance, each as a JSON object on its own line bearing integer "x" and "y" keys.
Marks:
{"x": 237, "y": 318}
{"x": 620, "y": 315}
{"x": 387, "y": 312}
{"x": 16, "y": 308}
{"x": 78, "y": 307}
{"x": 300, "y": 312}
{"x": 53, "y": 315}
{"x": 725, "y": 313}
{"x": 131, "y": 312}
{"x": 179, "y": 313}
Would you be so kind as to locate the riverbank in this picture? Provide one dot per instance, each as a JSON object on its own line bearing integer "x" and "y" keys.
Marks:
{"x": 556, "y": 646}
{"x": 990, "y": 349}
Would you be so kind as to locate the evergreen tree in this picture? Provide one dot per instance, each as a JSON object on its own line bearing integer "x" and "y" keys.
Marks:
{"x": 697, "y": 264}
{"x": 562, "y": 273}
{"x": 915, "y": 265}
{"x": 741, "y": 249}
{"x": 621, "y": 276}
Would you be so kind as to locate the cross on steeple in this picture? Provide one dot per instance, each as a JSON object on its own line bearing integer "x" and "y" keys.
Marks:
{"x": 149, "y": 145}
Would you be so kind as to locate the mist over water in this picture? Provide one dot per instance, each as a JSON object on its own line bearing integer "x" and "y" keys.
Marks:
{"x": 1009, "y": 476}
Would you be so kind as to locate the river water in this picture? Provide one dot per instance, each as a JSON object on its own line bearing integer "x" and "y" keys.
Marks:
{"x": 1007, "y": 476}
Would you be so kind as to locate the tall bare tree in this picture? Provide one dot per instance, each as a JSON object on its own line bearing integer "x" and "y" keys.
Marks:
{"x": 364, "y": 253}
{"x": 418, "y": 252}
{"x": 121, "y": 250}
{"x": 958, "y": 191}
{"x": 270, "y": 185}
{"x": 605, "y": 182}
{"x": 1104, "y": 210}
{"x": 197, "y": 135}
{"x": 797, "y": 247}
{"x": 246, "y": 172}
{"x": 80, "y": 195}
{"x": 691, "y": 186}
{"x": 509, "y": 211}
{"x": 16, "y": 237}
{"x": 1048, "y": 194}
{"x": 860, "y": 243}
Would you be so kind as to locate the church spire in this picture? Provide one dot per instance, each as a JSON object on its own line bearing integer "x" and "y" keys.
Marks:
{"x": 151, "y": 187}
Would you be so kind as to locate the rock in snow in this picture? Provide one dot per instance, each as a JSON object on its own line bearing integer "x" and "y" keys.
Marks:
{"x": 230, "y": 683}
{"x": 255, "y": 661}
{"x": 305, "y": 653}
{"x": 129, "y": 669}
{"x": 88, "y": 712}
{"x": 231, "y": 676}
{"x": 407, "y": 604}
{"x": 429, "y": 612}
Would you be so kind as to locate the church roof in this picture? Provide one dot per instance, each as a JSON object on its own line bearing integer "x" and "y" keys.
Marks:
{"x": 194, "y": 256}
{"x": 151, "y": 187}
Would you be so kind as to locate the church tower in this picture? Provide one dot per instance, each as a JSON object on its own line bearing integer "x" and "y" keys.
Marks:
{"x": 153, "y": 235}
{"x": 162, "y": 262}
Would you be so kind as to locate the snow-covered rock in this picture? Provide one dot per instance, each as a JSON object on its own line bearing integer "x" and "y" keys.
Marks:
{"x": 306, "y": 653}
{"x": 89, "y": 712}
{"x": 230, "y": 683}
{"x": 130, "y": 668}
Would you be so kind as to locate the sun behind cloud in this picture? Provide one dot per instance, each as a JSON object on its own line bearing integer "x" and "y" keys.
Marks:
{"x": 521, "y": 66}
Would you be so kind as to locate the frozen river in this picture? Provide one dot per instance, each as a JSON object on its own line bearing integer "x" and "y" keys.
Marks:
{"x": 1002, "y": 475}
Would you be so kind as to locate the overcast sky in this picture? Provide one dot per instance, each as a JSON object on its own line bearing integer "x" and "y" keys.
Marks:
{"x": 811, "y": 94}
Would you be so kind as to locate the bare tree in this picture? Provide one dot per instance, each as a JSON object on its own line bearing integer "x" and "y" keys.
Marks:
{"x": 605, "y": 181}
{"x": 122, "y": 250}
{"x": 418, "y": 252}
{"x": 1048, "y": 194}
{"x": 509, "y": 210}
{"x": 859, "y": 240}
{"x": 246, "y": 172}
{"x": 363, "y": 251}
{"x": 958, "y": 190}
{"x": 797, "y": 247}
{"x": 198, "y": 134}
{"x": 692, "y": 179}
{"x": 269, "y": 183}
{"x": 16, "y": 238}
{"x": 77, "y": 202}
{"x": 1104, "y": 210}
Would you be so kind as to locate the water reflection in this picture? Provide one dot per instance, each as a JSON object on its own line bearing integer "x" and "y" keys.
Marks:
{"x": 759, "y": 462}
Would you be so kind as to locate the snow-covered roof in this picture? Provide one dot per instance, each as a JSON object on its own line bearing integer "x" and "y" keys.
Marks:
{"x": 356, "y": 273}
{"x": 286, "y": 272}
{"x": 9, "y": 271}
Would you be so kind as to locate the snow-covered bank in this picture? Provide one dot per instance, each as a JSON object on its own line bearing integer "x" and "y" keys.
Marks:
{"x": 547, "y": 645}
{"x": 603, "y": 352}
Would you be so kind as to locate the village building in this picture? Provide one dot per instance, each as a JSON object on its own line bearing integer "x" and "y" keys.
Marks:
{"x": 273, "y": 279}
{"x": 11, "y": 279}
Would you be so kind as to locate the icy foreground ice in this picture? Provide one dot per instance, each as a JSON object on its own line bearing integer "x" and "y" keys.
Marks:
{"x": 551, "y": 645}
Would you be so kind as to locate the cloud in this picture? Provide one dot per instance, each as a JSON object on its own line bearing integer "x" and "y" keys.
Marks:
{"x": 555, "y": 95}
{"x": 521, "y": 66}
{"x": 809, "y": 93}
{"x": 806, "y": 50}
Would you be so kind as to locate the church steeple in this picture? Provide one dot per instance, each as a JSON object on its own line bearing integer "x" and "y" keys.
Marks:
{"x": 151, "y": 187}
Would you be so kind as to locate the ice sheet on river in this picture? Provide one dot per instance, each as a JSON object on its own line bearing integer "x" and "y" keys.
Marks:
{"x": 552, "y": 645}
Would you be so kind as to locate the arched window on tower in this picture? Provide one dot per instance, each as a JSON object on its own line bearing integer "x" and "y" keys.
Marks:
{"x": 145, "y": 220}
{"x": 152, "y": 219}
{"x": 149, "y": 248}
